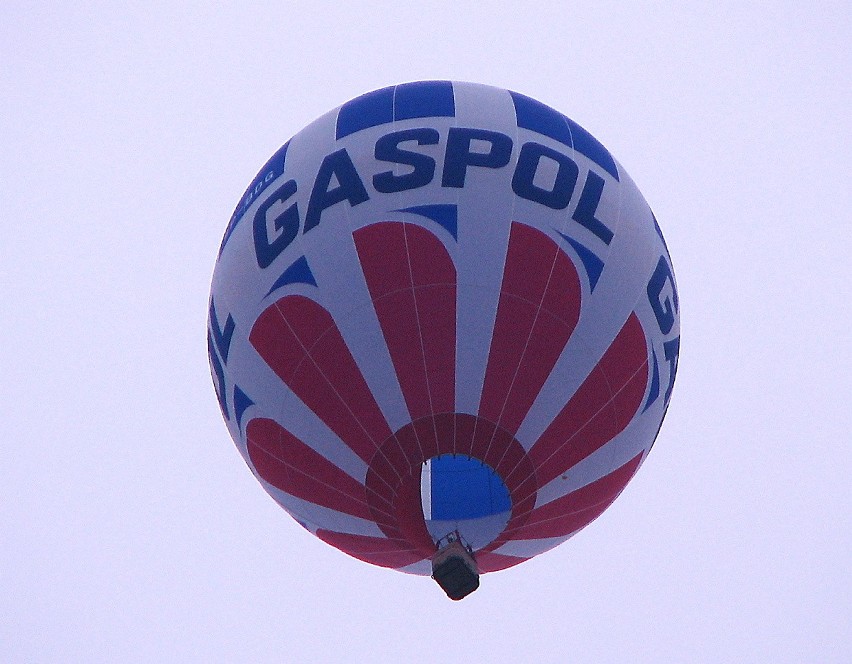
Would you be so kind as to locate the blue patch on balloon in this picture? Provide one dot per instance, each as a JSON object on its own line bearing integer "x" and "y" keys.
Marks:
{"x": 241, "y": 402}
{"x": 444, "y": 214}
{"x": 592, "y": 264}
{"x": 298, "y": 273}
{"x": 422, "y": 99}
{"x": 540, "y": 118}
{"x": 465, "y": 488}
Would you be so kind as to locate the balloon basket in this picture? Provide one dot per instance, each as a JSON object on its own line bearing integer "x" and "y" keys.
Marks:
{"x": 454, "y": 568}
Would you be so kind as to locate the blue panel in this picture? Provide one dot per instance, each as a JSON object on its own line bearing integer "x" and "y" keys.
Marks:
{"x": 222, "y": 337}
{"x": 298, "y": 273}
{"x": 586, "y": 144}
{"x": 369, "y": 110}
{"x": 540, "y": 118}
{"x": 654, "y": 392}
{"x": 241, "y": 402}
{"x": 445, "y": 214}
{"x": 424, "y": 99}
{"x": 268, "y": 174}
{"x": 465, "y": 488}
{"x": 593, "y": 265}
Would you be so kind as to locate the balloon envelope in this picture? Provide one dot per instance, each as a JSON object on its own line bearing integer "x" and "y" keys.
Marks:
{"x": 443, "y": 308}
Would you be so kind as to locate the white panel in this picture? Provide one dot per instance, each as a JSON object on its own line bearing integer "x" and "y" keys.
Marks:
{"x": 529, "y": 548}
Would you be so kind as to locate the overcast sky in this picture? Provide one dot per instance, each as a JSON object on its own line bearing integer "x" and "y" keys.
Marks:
{"x": 130, "y": 527}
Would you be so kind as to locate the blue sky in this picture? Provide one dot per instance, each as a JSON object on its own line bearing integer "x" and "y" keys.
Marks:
{"x": 132, "y": 530}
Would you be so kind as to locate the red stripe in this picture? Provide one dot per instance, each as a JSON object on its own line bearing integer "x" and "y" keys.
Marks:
{"x": 408, "y": 509}
{"x": 445, "y": 430}
{"x": 538, "y": 310}
{"x": 434, "y": 277}
{"x": 301, "y": 343}
{"x": 577, "y": 509}
{"x": 412, "y": 282}
{"x": 426, "y": 437}
{"x": 375, "y": 550}
{"x": 290, "y": 465}
{"x": 409, "y": 443}
{"x": 600, "y": 409}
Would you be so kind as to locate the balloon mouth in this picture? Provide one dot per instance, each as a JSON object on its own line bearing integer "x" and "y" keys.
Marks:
{"x": 450, "y": 472}
{"x": 462, "y": 494}
{"x": 456, "y": 488}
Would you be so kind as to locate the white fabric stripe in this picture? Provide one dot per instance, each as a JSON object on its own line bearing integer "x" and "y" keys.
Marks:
{"x": 422, "y": 568}
{"x": 426, "y": 489}
{"x": 529, "y": 548}
{"x": 604, "y": 460}
{"x": 318, "y": 516}
{"x": 344, "y": 293}
{"x": 274, "y": 400}
{"x": 484, "y": 229}
{"x": 632, "y": 251}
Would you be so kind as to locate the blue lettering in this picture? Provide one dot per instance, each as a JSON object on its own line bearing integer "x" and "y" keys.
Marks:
{"x": 349, "y": 187}
{"x": 287, "y": 223}
{"x": 459, "y": 154}
{"x": 220, "y": 336}
{"x": 664, "y": 309}
{"x": 588, "y": 206}
{"x": 277, "y": 224}
{"x": 523, "y": 183}
{"x": 387, "y": 149}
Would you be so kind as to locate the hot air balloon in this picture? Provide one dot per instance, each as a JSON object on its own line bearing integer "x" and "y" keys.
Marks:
{"x": 443, "y": 329}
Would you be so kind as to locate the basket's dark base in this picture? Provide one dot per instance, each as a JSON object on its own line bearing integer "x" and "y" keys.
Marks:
{"x": 455, "y": 571}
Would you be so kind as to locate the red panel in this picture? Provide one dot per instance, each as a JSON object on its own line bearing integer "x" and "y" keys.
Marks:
{"x": 376, "y": 550}
{"x": 434, "y": 279}
{"x": 562, "y": 297}
{"x": 412, "y": 280}
{"x": 321, "y": 397}
{"x": 390, "y": 462}
{"x": 410, "y": 446}
{"x": 430, "y": 262}
{"x": 436, "y": 312}
{"x": 465, "y": 431}
{"x": 409, "y": 513}
{"x": 384, "y": 257}
{"x": 512, "y": 456}
{"x": 600, "y": 409}
{"x": 300, "y": 342}
{"x": 287, "y": 463}
{"x": 445, "y": 430}
{"x": 279, "y": 346}
{"x": 577, "y": 509}
{"x": 386, "y": 472}
{"x": 425, "y": 431}
{"x": 483, "y": 435}
{"x": 529, "y": 261}
{"x": 381, "y": 505}
{"x": 512, "y": 328}
{"x": 397, "y": 316}
{"x": 501, "y": 441}
{"x": 335, "y": 362}
{"x": 538, "y": 310}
